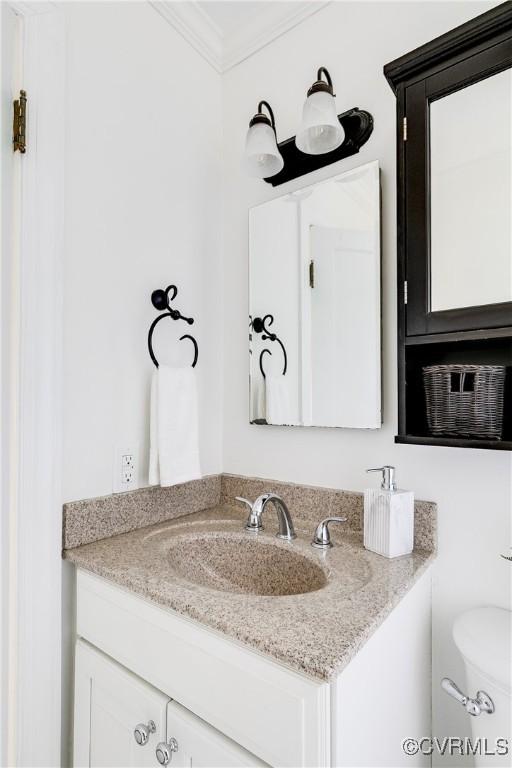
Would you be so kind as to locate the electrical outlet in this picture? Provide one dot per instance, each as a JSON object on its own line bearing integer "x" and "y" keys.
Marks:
{"x": 125, "y": 469}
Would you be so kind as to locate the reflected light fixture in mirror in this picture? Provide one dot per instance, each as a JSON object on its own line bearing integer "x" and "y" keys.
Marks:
{"x": 320, "y": 130}
{"x": 262, "y": 158}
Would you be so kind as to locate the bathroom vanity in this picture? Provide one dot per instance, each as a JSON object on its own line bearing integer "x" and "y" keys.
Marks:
{"x": 200, "y": 644}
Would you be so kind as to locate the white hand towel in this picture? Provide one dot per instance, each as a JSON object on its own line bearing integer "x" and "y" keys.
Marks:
{"x": 154, "y": 474}
{"x": 277, "y": 399}
{"x": 174, "y": 429}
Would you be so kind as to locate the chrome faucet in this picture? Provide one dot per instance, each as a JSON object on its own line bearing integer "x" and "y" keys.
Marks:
{"x": 254, "y": 521}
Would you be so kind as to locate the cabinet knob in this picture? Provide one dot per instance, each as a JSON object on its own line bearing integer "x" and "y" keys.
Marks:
{"x": 142, "y": 732}
{"x": 164, "y": 751}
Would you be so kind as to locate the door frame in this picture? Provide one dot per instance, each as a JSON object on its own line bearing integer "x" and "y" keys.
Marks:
{"x": 34, "y": 702}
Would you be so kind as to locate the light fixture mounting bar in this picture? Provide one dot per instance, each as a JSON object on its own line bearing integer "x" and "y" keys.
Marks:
{"x": 358, "y": 126}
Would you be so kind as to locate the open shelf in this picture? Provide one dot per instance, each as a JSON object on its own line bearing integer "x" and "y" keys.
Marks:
{"x": 444, "y": 338}
{"x": 455, "y": 442}
{"x": 474, "y": 348}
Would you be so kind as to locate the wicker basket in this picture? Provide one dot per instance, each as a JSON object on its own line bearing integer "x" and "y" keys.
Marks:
{"x": 465, "y": 400}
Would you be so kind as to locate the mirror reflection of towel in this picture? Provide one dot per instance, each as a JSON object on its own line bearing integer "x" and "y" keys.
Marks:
{"x": 258, "y": 406}
{"x": 278, "y": 407}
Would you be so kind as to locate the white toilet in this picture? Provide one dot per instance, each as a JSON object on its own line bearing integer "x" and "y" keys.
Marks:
{"x": 484, "y": 638}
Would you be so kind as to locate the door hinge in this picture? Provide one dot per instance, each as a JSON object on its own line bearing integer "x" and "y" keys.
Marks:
{"x": 405, "y": 291}
{"x": 311, "y": 274}
{"x": 405, "y": 129}
{"x": 19, "y": 123}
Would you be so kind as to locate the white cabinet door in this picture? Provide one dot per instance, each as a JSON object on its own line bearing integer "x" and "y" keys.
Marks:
{"x": 201, "y": 746}
{"x": 109, "y": 703}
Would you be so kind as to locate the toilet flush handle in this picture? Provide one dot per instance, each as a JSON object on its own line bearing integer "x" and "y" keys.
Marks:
{"x": 475, "y": 707}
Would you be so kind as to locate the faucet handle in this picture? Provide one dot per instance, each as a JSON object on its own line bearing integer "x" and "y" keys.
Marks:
{"x": 322, "y": 537}
{"x": 253, "y": 524}
{"x": 244, "y": 501}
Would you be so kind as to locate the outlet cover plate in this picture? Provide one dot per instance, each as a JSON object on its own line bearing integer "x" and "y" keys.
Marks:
{"x": 125, "y": 468}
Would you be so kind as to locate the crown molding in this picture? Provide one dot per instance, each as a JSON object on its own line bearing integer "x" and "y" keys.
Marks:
{"x": 224, "y": 52}
{"x": 27, "y": 9}
{"x": 273, "y": 21}
{"x": 194, "y": 24}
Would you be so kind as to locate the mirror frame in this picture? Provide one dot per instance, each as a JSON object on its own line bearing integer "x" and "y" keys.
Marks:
{"x": 463, "y": 56}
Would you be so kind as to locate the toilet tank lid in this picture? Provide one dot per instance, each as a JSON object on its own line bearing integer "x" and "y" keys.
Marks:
{"x": 484, "y": 638}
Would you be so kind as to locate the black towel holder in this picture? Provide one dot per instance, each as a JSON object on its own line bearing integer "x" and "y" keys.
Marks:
{"x": 161, "y": 300}
{"x": 259, "y": 326}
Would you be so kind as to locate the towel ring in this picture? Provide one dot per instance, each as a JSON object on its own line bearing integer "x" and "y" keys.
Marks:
{"x": 259, "y": 326}
{"x": 161, "y": 300}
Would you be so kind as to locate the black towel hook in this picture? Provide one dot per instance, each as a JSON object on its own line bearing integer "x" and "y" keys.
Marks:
{"x": 161, "y": 300}
{"x": 259, "y": 326}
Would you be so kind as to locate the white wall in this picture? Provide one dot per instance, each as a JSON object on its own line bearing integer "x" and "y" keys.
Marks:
{"x": 143, "y": 164}
{"x": 472, "y": 488}
{"x": 143, "y": 160}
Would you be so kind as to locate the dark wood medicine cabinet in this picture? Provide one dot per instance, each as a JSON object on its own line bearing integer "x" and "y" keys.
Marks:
{"x": 435, "y": 327}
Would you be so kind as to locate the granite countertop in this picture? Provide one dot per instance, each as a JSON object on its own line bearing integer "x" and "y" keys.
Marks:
{"x": 315, "y": 633}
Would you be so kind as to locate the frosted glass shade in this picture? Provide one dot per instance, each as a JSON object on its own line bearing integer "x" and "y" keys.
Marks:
{"x": 262, "y": 157}
{"x": 320, "y": 130}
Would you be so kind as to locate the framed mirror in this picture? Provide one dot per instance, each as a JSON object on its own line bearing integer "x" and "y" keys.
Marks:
{"x": 314, "y": 303}
{"x": 458, "y": 194}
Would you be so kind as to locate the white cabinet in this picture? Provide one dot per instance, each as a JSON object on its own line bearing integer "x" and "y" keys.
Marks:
{"x": 227, "y": 705}
{"x": 201, "y": 746}
{"x": 278, "y": 715}
{"x": 109, "y": 703}
{"x": 115, "y": 709}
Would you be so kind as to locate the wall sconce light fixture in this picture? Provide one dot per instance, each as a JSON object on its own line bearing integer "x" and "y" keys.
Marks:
{"x": 323, "y": 138}
{"x": 320, "y": 130}
{"x": 262, "y": 157}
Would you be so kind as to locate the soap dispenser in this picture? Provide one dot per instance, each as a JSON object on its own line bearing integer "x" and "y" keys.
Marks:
{"x": 388, "y": 517}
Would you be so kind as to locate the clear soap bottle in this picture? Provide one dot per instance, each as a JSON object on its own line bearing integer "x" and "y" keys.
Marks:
{"x": 388, "y": 517}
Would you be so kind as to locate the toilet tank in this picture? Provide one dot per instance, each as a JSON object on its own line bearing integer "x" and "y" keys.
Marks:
{"x": 484, "y": 639}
